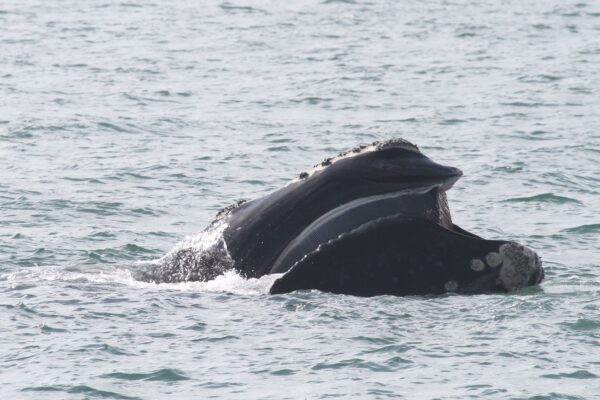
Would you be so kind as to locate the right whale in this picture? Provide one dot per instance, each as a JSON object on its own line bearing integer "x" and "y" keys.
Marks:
{"x": 371, "y": 221}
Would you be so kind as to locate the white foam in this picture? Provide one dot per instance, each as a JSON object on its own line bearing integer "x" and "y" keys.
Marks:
{"x": 229, "y": 282}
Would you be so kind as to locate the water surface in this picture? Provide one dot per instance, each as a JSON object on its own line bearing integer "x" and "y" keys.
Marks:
{"x": 125, "y": 126}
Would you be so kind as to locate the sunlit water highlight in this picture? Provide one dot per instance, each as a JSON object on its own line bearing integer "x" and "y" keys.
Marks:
{"x": 125, "y": 126}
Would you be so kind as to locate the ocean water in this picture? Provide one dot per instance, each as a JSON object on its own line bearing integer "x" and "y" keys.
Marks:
{"x": 126, "y": 125}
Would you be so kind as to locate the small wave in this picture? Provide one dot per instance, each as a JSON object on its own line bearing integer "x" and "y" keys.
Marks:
{"x": 544, "y": 198}
{"x": 81, "y": 389}
{"x": 583, "y": 324}
{"x": 166, "y": 375}
{"x": 583, "y": 229}
{"x": 580, "y": 374}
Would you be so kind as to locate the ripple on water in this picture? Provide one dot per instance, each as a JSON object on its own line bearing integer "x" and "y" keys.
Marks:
{"x": 356, "y": 363}
{"x": 544, "y": 198}
{"x": 165, "y": 375}
{"x": 580, "y": 374}
{"x": 80, "y": 389}
{"x": 583, "y": 324}
{"x": 150, "y": 120}
{"x": 583, "y": 229}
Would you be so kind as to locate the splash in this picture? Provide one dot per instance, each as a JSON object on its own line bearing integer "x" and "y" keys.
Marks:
{"x": 206, "y": 240}
{"x": 200, "y": 257}
{"x": 228, "y": 282}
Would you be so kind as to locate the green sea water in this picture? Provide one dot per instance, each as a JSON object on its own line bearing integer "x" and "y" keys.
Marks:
{"x": 125, "y": 126}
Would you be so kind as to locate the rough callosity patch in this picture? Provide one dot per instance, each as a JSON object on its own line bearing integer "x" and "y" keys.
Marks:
{"x": 227, "y": 210}
{"x": 362, "y": 149}
{"x": 519, "y": 264}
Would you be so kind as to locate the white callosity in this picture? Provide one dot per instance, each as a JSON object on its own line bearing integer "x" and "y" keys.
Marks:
{"x": 477, "y": 265}
{"x": 493, "y": 259}
{"x": 451, "y": 286}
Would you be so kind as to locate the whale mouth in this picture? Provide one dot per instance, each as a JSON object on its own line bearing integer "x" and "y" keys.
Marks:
{"x": 422, "y": 199}
{"x": 444, "y": 177}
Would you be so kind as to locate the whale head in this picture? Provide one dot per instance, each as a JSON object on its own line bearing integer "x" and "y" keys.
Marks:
{"x": 386, "y": 166}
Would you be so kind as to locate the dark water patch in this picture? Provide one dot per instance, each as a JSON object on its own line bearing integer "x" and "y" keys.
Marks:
{"x": 81, "y": 389}
{"x": 136, "y": 5}
{"x": 582, "y": 324}
{"x": 86, "y": 180}
{"x": 198, "y": 326}
{"x": 352, "y": 363}
{"x": 529, "y": 104}
{"x": 312, "y": 100}
{"x": 220, "y": 385}
{"x": 111, "y": 127}
{"x": 542, "y": 78}
{"x": 111, "y": 300}
{"x": 449, "y": 122}
{"x": 541, "y": 27}
{"x": 160, "y": 234}
{"x": 164, "y": 375}
{"x": 113, "y": 350}
{"x": 215, "y": 339}
{"x": 21, "y": 287}
{"x": 583, "y": 229}
{"x": 339, "y": 2}
{"x": 104, "y": 348}
{"x": 254, "y": 182}
{"x": 580, "y": 374}
{"x": 554, "y": 396}
{"x": 543, "y": 198}
{"x": 103, "y": 208}
{"x": 580, "y": 90}
{"x": 37, "y": 258}
{"x": 103, "y": 235}
{"x": 128, "y": 252}
{"x": 48, "y": 329}
{"x": 232, "y": 8}
{"x": 397, "y": 362}
{"x": 178, "y": 175}
{"x": 374, "y": 340}
{"x": 393, "y": 348}
{"x": 135, "y": 175}
{"x": 283, "y": 372}
{"x": 147, "y": 211}
{"x": 106, "y": 315}
{"x": 161, "y": 335}
{"x": 278, "y": 148}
